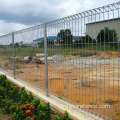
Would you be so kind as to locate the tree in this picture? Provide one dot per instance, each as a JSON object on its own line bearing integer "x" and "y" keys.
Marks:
{"x": 41, "y": 43}
{"x": 16, "y": 44}
{"x": 23, "y": 45}
{"x": 50, "y": 42}
{"x": 82, "y": 41}
{"x": 77, "y": 43}
{"x": 87, "y": 39}
{"x": 65, "y": 37}
{"x": 1, "y": 46}
{"x": 107, "y": 36}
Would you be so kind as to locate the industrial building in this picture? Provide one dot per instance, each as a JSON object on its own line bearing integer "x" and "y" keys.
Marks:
{"x": 92, "y": 29}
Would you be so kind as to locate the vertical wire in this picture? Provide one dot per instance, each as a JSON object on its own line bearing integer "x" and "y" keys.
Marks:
{"x": 66, "y": 48}
{"x": 31, "y": 55}
{"x": 60, "y": 69}
{"x": 64, "y": 51}
{"x": 70, "y": 53}
{"x": 66, "y": 59}
{"x": 73, "y": 64}
{"x": 67, "y": 82}
{"x": 104, "y": 58}
{"x": 40, "y": 45}
{"x": 109, "y": 64}
{"x": 58, "y": 53}
{"x": 50, "y": 52}
{"x": 85, "y": 59}
{"x": 96, "y": 60}
{"x": 92, "y": 60}
{"x": 100, "y": 64}
{"x": 118, "y": 61}
{"x": 53, "y": 74}
{"x": 69, "y": 62}
{"x": 13, "y": 49}
{"x": 82, "y": 63}
{"x": 55, "y": 52}
{"x": 113, "y": 60}
{"x": 49, "y": 89}
{"x": 89, "y": 58}
{"x": 54, "y": 66}
{"x": 61, "y": 46}
{"x": 73, "y": 29}
{"x": 48, "y": 47}
{"x": 75, "y": 58}
{"x": 79, "y": 57}
{"x": 43, "y": 51}
{"x": 42, "y": 31}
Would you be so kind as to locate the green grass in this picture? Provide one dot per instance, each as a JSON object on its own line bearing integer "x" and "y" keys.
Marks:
{"x": 60, "y": 50}
{"x": 110, "y": 101}
{"x": 36, "y": 80}
{"x": 84, "y": 82}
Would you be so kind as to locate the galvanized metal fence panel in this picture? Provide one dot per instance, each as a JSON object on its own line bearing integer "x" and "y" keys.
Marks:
{"x": 30, "y": 65}
{"x": 76, "y": 58}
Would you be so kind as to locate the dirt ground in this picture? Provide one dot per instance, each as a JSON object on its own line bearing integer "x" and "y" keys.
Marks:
{"x": 89, "y": 85}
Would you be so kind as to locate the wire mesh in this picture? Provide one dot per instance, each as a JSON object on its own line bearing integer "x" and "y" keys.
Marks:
{"x": 6, "y": 53}
{"x": 29, "y": 53}
{"x": 76, "y": 58}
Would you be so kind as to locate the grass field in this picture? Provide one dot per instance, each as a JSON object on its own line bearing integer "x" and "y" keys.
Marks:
{"x": 62, "y": 50}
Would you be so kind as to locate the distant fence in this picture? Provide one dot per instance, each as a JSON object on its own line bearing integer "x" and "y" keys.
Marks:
{"x": 76, "y": 58}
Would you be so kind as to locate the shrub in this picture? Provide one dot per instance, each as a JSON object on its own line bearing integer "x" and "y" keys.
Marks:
{"x": 107, "y": 36}
{"x": 45, "y": 107}
{"x": 87, "y": 39}
{"x": 64, "y": 117}
{"x": 17, "y": 101}
{"x": 77, "y": 43}
{"x": 35, "y": 102}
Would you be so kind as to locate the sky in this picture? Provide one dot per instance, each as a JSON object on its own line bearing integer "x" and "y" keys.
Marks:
{"x": 19, "y": 14}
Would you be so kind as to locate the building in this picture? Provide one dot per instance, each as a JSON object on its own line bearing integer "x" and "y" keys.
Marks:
{"x": 92, "y": 29}
{"x": 37, "y": 41}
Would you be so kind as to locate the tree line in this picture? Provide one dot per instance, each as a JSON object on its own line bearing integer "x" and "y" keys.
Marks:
{"x": 65, "y": 37}
{"x": 105, "y": 36}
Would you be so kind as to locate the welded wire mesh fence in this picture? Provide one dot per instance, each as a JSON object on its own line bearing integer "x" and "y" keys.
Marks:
{"x": 76, "y": 58}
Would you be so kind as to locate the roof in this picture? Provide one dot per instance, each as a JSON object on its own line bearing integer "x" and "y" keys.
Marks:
{"x": 103, "y": 21}
{"x": 49, "y": 38}
{"x": 56, "y": 37}
{"x": 39, "y": 39}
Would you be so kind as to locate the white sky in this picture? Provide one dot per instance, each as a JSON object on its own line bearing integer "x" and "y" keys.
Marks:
{"x": 20, "y": 14}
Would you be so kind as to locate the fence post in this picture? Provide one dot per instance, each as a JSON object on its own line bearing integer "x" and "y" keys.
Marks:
{"x": 46, "y": 65}
{"x": 13, "y": 54}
